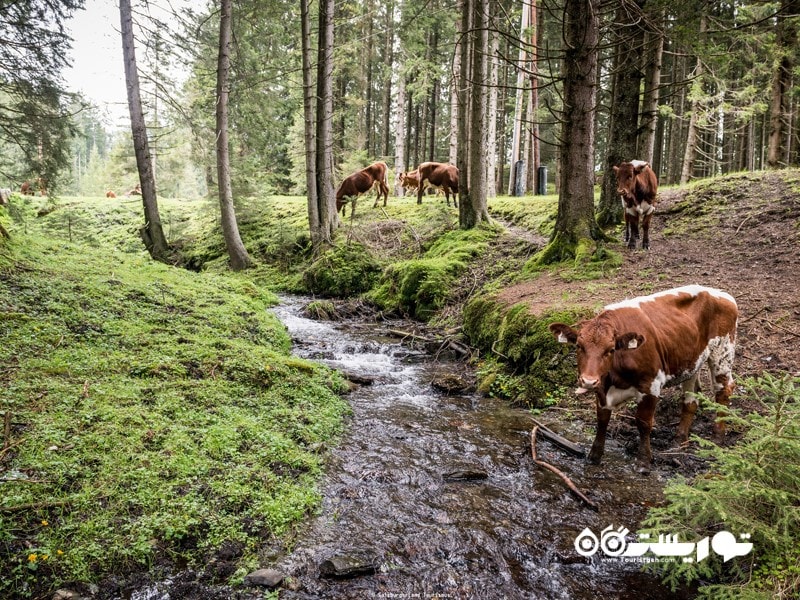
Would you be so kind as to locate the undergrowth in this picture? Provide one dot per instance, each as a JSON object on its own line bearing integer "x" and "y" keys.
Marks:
{"x": 155, "y": 415}
{"x": 753, "y": 487}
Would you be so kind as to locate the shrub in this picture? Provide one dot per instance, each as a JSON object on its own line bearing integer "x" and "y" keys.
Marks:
{"x": 753, "y": 487}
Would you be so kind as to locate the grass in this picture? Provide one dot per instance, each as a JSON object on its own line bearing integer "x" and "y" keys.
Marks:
{"x": 156, "y": 414}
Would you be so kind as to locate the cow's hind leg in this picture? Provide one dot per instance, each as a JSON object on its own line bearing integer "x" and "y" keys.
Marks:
{"x": 688, "y": 409}
{"x": 720, "y": 363}
{"x": 645, "y": 416}
{"x": 599, "y": 445}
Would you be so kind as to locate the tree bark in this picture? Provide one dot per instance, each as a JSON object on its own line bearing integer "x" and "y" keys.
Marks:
{"x": 326, "y": 198}
{"x": 475, "y": 211}
{"x": 575, "y": 222}
{"x": 782, "y": 83}
{"x": 491, "y": 158}
{"x": 655, "y": 51}
{"x": 237, "y": 254}
{"x": 152, "y": 232}
{"x": 309, "y": 130}
{"x": 696, "y": 102}
{"x": 400, "y": 134}
{"x": 517, "y": 132}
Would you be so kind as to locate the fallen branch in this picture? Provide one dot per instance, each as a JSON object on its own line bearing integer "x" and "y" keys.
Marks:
{"x": 562, "y": 442}
{"x": 573, "y": 488}
{"x": 407, "y": 334}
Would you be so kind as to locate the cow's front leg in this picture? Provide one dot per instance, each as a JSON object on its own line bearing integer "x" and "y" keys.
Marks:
{"x": 645, "y": 416}
{"x": 632, "y": 222}
{"x": 599, "y": 445}
{"x": 646, "y": 229}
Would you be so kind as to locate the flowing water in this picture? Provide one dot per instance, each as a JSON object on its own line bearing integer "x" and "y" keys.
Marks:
{"x": 439, "y": 492}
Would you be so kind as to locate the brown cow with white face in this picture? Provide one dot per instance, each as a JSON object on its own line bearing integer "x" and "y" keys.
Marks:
{"x": 438, "y": 175}
{"x": 637, "y": 186}
{"x": 635, "y": 348}
{"x": 361, "y": 182}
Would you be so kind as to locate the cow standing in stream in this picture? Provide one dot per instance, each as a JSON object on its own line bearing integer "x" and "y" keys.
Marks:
{"x": 362, "y": 182}
{"x": 637, "y": 185}
{"x": 634, "y": 348}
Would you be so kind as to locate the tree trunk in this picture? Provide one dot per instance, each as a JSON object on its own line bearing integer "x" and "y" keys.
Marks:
{"x": 517, "y": 134}
{"x": 152, "y": 232}
{"x": 454, "y": 103}
{"x": 687, "y": 169}
{"x": 464, "y": 48}
{"x": 475, "y": 211}
{"x": 782, "y": 82}
{"x": 309, "y": 130}
{"x": 326, "y": 197}
{"x": 491, "y": 158}
{"x": 237, "y": 253}
{"x": 655, "y": 51}
{"x": 624, "y": 118}
{"x": 575, "y": 222}
{"x": 388, "y": 51}
{"x": 400, "y": 134}
{"x": 534, "y": 152}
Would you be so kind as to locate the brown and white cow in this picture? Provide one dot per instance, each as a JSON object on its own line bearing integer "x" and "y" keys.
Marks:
{"x": 438, "y": 175}
{"x": 635, "y": 348}
{"x": 408, "y": 180}
{"x": 361, "y": 182}
{"x": 637, "y": 185}
{"x": 110, "y": 194}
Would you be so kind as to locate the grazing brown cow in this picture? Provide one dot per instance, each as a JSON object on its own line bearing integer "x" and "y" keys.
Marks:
{"x": 110, "y": 194}
{"x": 634, "y": 348}
{"x": 438, "y": 175}
{"x": 362, "y": 182}
{"x": 637, "y": 185}
{"x": 136, "y": 191}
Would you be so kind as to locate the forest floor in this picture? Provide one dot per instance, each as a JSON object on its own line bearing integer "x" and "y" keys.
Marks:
{"x": 741, "y": 235}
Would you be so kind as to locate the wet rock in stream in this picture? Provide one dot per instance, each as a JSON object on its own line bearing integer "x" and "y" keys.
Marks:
{"x": 350, "y": 564}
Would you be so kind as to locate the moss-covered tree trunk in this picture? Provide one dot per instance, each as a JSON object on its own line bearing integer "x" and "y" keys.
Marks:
{"x": 575, "y": 224}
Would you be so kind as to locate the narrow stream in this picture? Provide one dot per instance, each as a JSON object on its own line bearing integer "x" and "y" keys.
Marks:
{"x": 441, "y": 495}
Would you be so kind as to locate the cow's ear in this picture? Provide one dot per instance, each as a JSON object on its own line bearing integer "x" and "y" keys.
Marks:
{"x": 564, "y": 333}
{"x": 616, "y": 169}
{"x": 629, "y": 341}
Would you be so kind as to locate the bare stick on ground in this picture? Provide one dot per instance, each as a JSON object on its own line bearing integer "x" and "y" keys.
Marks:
{"x": 573, "y": 488}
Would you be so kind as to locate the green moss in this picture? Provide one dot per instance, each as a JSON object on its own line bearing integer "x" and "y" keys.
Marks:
{"x": 419, "y": 287}
{"x": 346, "y": 270}
{"x": 524, "y": 343}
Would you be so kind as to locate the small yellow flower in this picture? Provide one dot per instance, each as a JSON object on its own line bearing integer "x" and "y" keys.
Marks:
{"x": 45, "y": 556}
{"x": 32, "y": 558}
{"x": 45, "y": 523}
{"x": 59, "y": 552}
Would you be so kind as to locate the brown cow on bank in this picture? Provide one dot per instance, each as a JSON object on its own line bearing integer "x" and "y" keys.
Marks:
{"x": 637, "y": 185}
{"x": 362, "y": 182}
{"x": 438, "y": 175}
{"x": 634, "y": 348}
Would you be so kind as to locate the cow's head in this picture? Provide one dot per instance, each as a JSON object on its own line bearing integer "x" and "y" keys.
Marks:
{"x": 626, "y": 177}
{"x": 596, "y": 343}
